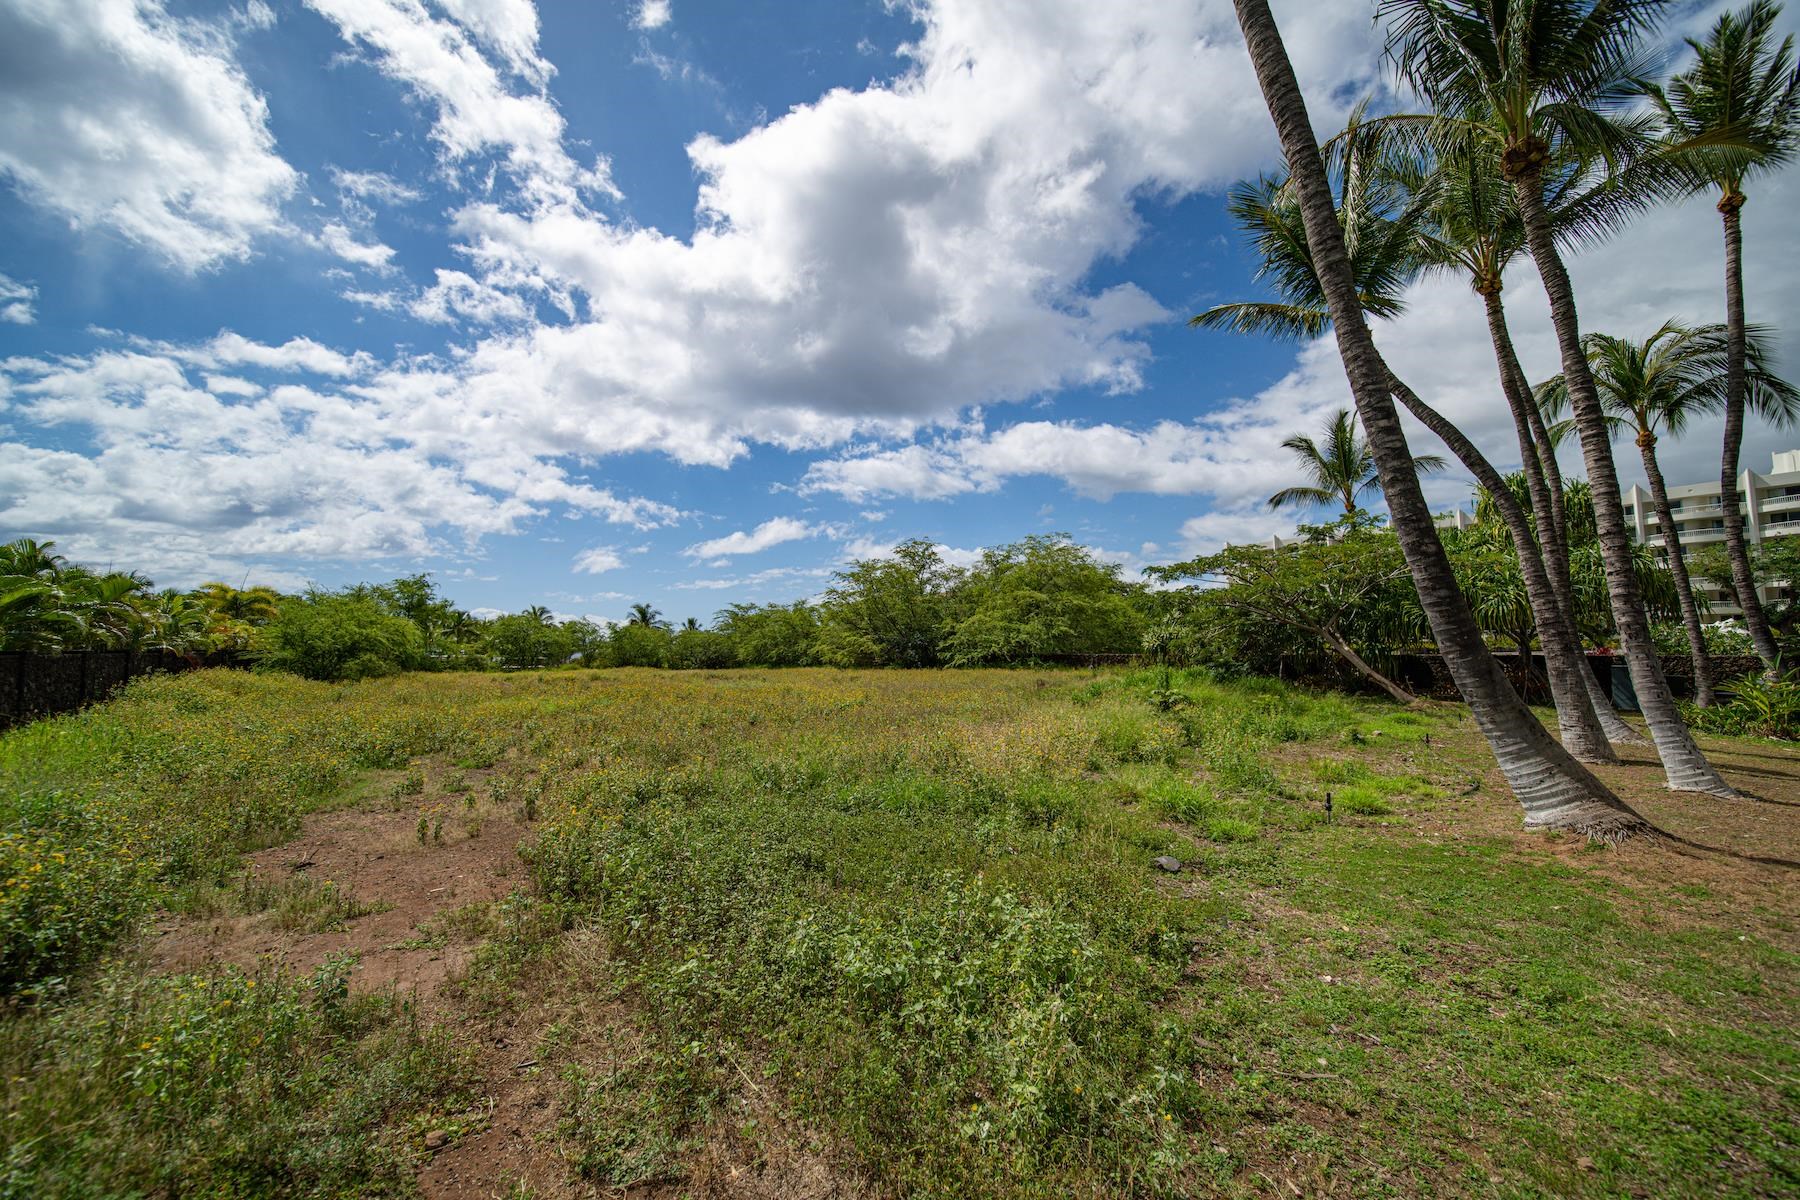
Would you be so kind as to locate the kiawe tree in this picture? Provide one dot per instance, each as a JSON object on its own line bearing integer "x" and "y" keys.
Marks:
{"x": 1736, "y": 111}
{"x": 1533, "y": 83}
{"x": 1551, "y": 786}
{"x": 1345, "y": 584}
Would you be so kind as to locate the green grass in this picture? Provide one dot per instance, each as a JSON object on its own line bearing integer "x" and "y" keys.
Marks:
{"x": 913, "y": 912}
{"x": 220, "y": 1084}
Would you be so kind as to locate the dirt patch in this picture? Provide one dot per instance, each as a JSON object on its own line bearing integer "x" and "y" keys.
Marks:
{"x": 569, "y": 1020}
{"x": 374, "y": 858}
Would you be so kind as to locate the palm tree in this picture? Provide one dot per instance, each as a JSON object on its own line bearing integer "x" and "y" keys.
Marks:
{"x": 644, "y": 615}
{"x": 1652, "y": 387}
{"x": 1388, "y": 246}
{"x": 28, "y": 557}
{"x": 538, "y": 613}
{"x": 1742, "y": 88}
{"x": 1553, "y": 788}
{"x": 1531, "y": 83}
{"x": 691, "y": 625}
{"x": 1470, "y": 225}
{"x": 254, "y": 606}
{"x": 1342, "y": 470}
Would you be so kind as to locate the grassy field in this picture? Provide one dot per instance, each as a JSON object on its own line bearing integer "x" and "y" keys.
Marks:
{"x": 815, "y": 933}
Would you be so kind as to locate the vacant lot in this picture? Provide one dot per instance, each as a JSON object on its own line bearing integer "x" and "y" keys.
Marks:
{"x": 811, "y": 933}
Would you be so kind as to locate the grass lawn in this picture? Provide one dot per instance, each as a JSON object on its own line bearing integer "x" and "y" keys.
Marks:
{"x": 815, "y": 933}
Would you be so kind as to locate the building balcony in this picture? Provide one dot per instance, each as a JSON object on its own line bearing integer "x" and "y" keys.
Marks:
{"x": 1778, "y": 503}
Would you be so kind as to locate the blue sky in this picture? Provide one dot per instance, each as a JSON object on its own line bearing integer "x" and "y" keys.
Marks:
{"x": 587, "y": 303}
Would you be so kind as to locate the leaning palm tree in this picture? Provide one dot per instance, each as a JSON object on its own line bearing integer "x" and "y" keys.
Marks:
{"x": 1743, "y": 90}
{"x": 1386, "y": 237}
{"x": 1469, "y": 226}
{"x": 1651, "y": 388}
{"x": 1552, "y": 787}
{"x": 1342, "y": 470}
{"x": 1531, "y": 83}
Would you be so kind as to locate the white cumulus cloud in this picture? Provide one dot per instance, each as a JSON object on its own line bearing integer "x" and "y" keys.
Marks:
{"x": 652, "y": 14}
{"x": 116, "y": 114}
{"x": 598, "y": 559}
{"x": 772, "y": 532}
{"x": 17, "y": 301}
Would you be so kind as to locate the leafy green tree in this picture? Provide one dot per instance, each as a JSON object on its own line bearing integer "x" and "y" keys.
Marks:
{"x": 640, "y": 645}
{"x": 342, "y": 636}
{"x": 1736, "y": 113}
{"x": 1774, "y": 562}
{"x": 696, "y": 649}
{"x": 526, "y": 639}
{"x": 1042, "y": 597}
{"x": 251, "y": 605}
{"x": 772, "y": 635}
{"x": 1346, "y": 585}
{"x": 889, "y": 612}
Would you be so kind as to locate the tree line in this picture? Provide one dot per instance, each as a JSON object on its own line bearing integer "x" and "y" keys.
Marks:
{"x": 1043, "y": 598}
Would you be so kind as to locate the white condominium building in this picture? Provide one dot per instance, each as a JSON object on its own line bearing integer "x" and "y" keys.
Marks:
{"x": 1769, "y": 504}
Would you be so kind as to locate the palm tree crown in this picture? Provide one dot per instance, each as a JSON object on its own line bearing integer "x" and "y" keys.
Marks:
{"x": 1528, "y": 76}
{"x": 1742, "y": 89}
{"x": 1342, "y": 469}
{"x": 1655, "y": 386}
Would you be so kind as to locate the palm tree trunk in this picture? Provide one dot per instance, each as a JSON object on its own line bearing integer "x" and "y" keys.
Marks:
{"x": 1743, "y": 582}
{"x": 1556, "y": 538}
{"x": 1551, "y": 786}
{"x": 1582, "y": 735}
{"x": 1684, "y": 588}
{"x": 1686, "y": 768}
{"x": 1544, "y": 477}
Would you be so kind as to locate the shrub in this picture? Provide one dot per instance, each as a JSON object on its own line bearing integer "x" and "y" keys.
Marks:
{"x": 701, "y": 650}
{"x": 224, "y": 1085}
{"x": 342, "y": 637}
{"x": 1758, "y": 706}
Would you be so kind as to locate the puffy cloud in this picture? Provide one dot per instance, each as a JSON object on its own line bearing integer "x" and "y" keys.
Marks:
{"x": 457, "y": 296}
{"x": 652, "y": 14}
{"x": 183, "y": 477}
{"x": 337, "y": 238}
{"x": 17, "y": 301}
{"x": 1222, "y": 453}
{"x": 479, "y": 110}
{"x": 876, "y": 261}
{"x": 772, "y": 532}
{"x": 295, "y": 354}
{"x": 598, "y": 560}
{"x": 373, "y": 185}
{"x": 115, "y": 113}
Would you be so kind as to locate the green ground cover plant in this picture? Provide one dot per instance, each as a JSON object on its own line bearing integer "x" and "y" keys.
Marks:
{"x": 915, "y": 912}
